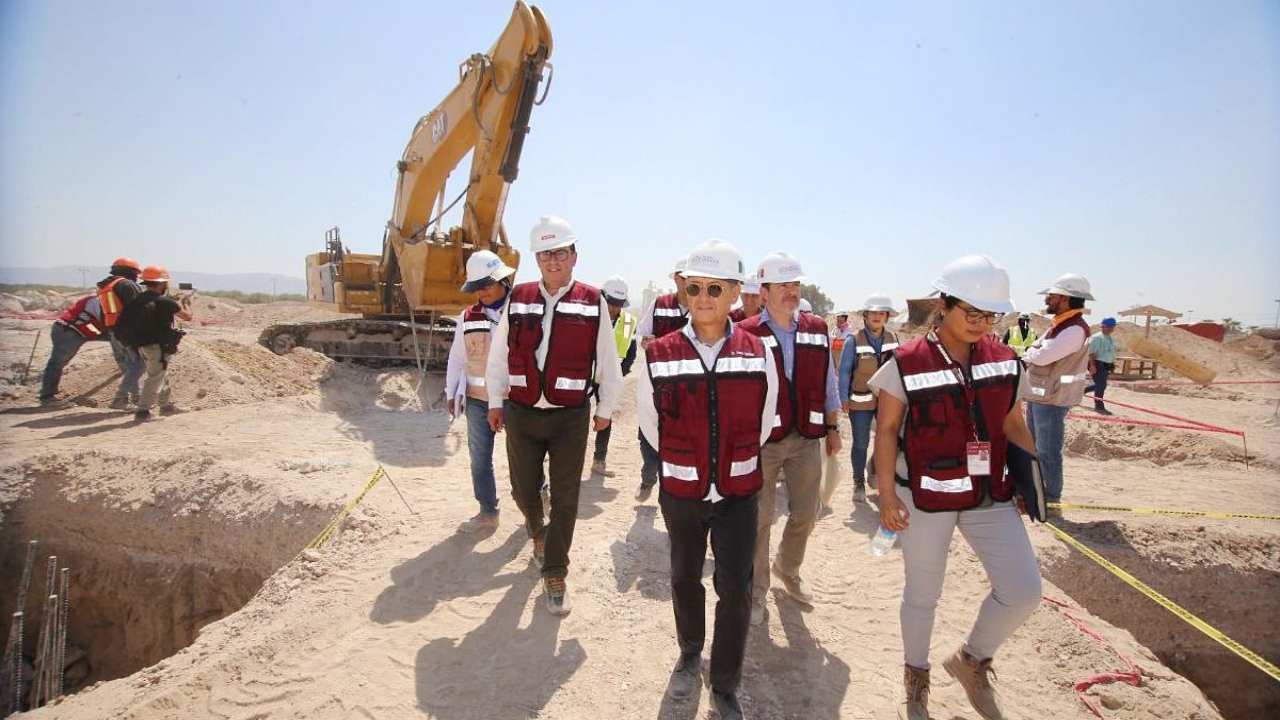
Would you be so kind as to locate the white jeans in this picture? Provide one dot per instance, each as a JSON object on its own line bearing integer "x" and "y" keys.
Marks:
{"x": 999, "y": 539}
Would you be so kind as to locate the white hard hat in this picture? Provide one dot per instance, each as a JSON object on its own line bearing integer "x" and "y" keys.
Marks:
{"x": 977, "y": 280}
{"x": 806, "y": 306}
{"x": 714, "y": 258}
{"x": 879, "y": 302}
{"x": 615, "y": 290}
{"x": 483, "y": 269}
{"x": 550, "y": 233}
{"x": 681, "y": 264}
{"x": 780, "y": 267}
{"x": 1069, "y": 284}
{"x": 751, "y": 286}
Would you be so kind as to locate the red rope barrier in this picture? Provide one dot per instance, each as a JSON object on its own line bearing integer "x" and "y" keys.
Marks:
{"x": 1132, "y": 675}
{"x": 1191, "y": 382}
{"x": 1164, "y": 415}
{"x": 1127, "y": 421}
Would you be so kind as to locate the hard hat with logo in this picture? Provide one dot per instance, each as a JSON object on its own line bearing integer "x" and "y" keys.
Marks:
{"x": 1069, "y": 284}
{"x": 879, "y": 302}
{"x": 551, "y": 233}
{"x": 780, "y": 267}
{"x": 805, "y": 306}
{"x": 155, "y": 274}
{"x": 977, "y": 280}
{"x": 714, "y": 258}
{"x": 751, "y": 286}
{"x": 615, "y": 290}
{"x": 124, "y": 262}
{"x": 484, "y": 268}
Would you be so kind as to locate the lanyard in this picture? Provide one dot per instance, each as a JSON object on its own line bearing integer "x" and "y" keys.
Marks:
{"x": 974, "y": 424}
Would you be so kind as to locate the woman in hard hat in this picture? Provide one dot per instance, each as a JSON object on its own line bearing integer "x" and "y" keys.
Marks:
{"x": 947, "y": 411}
{"x": 490, "y": 279}
{"x": 862, "y": 355}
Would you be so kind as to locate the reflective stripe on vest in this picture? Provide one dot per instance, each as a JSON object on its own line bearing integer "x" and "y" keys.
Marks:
{"x": 668, "y": 316}
{"x": 476, "y": 336}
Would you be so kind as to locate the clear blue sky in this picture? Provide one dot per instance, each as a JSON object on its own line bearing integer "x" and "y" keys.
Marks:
{"x": 1137, "y": 142}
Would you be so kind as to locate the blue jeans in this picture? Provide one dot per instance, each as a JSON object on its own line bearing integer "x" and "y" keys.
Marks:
{"x": 861, "y": 421}
{"x": 649, "y": 463}
{"x": 66, "y": 343}
{"x": 131, "y": 367}
{"x": 1047, "y": 424}
{"x": 1098, "y": 387}
{"x": 480, "y": 443}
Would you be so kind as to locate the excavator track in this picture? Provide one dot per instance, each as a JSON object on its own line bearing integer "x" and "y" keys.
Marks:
{"x": 367, "y": 341}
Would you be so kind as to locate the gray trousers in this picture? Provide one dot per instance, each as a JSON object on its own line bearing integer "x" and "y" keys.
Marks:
{"x": 999, "y": 539}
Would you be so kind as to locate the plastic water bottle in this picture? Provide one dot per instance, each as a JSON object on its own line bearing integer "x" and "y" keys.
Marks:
{"x": 882, "y": 542}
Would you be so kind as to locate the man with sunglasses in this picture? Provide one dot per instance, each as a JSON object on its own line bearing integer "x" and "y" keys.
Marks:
{"x": 806, "y": 413}
{"x": 706, "y": 401}
{"x": 665, "y": 315}
{"x": 1056, "y": 376}
{"x": 550, "y": 351}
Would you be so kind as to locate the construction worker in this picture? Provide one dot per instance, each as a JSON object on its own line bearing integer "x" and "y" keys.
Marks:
{"x": 1056, "y": 376}
{"x": 953, "y": 397}
{"x": 806, "y": 413}
{"x": 548, "y": 352}
{"x": 805, "y": 306}
{"x": 666, "y": 314}
{"x": 839, "y": 333}
{"x": 490, "y": 279}
{"x": 1102, "y": 362}
{"x": 706, "y": 401}
{"x": 750, "y": 301}
{"x": 624, "y": 336}
{"x": 114, "y": 291}
{"x": 1020, "y": 336}
{"x": 76, "y": 326}
{"x": 154, "y": 336}
{"x": 864, "y": 352}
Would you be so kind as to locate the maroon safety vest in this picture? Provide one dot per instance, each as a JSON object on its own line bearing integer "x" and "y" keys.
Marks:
{"x": 709, "y": 420}
{"x": 802, "y": 399}
{"x": 566, "y": 377}
{"x": 668, "y": 316}
{"x": 941, "y": 421}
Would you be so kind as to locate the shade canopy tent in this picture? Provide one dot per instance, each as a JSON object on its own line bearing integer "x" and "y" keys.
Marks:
{"x": 1149, "y": 311}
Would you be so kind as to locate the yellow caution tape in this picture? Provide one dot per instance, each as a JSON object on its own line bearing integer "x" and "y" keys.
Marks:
{"x": 1195, "y": 622}
{"x": 323, "y": 537}
{"x": 1154, "y": 511}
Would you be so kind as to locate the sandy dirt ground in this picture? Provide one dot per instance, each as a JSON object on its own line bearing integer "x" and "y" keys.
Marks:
{"x": 398, "y": 616}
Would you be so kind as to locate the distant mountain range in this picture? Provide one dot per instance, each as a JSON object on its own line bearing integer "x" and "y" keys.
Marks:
{"x": 72, "y": 276}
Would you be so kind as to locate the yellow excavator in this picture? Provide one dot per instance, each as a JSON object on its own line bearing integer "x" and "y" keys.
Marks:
{"x": 408, "y": 295}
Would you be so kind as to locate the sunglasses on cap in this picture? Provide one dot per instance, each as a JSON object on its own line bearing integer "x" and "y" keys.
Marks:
{"x": 715, "y": 290}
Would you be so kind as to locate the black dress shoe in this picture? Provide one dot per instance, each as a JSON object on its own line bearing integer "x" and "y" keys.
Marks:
{"x": 686, "y": 677}
{"x": 727, "y": 705}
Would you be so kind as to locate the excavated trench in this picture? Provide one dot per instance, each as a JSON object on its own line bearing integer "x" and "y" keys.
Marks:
{"x": 1234, "y": 590}
{"x": 148, "y": 569}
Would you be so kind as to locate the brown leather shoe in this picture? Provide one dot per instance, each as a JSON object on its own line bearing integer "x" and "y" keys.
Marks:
{"x": 916, "y": 683}
{"x": 975, "y": 677}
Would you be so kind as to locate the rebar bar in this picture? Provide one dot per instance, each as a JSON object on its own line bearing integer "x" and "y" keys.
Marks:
{"x": 64, "y": 608}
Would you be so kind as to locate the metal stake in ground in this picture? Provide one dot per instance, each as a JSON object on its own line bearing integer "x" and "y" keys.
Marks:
{"x": 27, "y": 371}
{"x": 12, "y": 671}
{"x": 393, "y": 484}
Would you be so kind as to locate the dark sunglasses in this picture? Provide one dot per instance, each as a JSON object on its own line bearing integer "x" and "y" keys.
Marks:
{"x": 715, "y": 290}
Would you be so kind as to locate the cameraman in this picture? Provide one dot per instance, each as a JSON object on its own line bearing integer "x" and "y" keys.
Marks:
{"x": 159, "y": 340}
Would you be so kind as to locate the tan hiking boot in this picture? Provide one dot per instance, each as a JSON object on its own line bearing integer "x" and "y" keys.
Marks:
{"x": 916, "y": 682}
{"x": 975, "y": 677}
{"x": 796, "y": 587}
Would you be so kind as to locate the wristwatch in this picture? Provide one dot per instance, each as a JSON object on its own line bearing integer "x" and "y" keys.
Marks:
{"x": 833, "y": 428}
